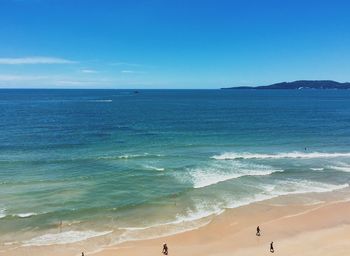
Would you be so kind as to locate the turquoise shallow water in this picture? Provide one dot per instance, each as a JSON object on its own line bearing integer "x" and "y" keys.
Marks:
{"x": 120, "y": 164}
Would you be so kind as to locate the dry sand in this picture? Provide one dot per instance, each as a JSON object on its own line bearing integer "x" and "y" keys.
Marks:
{"x": 322, "y": 229}
{"x": 296, "y": 229}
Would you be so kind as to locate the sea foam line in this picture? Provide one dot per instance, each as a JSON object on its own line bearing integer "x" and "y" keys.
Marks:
{"x": 160, "y": 169}
{"x": 317, "y": 168}
{"x": 100, "y": 100}
{"x": 222, "y": 171}
{"x": 25, "y": 215}
{"x": 201, "y": 178}
{"x": 64, "y": 237}
{"x": 135, "y": 234}
{"x": 180, "y": 219}
{"x": 286, "y": 188}
{"x": 342, "y": 168}
{"x": 296, "y": 154}
{"x": 129, "y": 156}
{"x": 270, "y": 191}
{"x": 2, "y": 213}
{"x": 202, "y": 211}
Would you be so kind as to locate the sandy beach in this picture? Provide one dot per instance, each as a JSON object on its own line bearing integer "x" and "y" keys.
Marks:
{"x": 321, "y": 228}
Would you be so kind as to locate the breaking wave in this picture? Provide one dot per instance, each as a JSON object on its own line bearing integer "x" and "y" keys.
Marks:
{"x": 26, "y": 215}
{"x": 341, "y": 167}
{"x": 296, "y": 154}
{"x": 150, "y": 167}
{"x": 2, "y": 213}
{"x": 220, "y": 172}
{"x": 129, "y": 156}
{"x": 203, "y": 178}
{"x": 317, "y": 169}
{"x": 100, "y": 100}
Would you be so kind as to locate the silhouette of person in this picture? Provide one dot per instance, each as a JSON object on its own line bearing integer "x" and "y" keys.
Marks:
{"x": 165, "y": 249}
{"x": 82, "y": 254}
{"x": 272, "y": 250}
{"x": 258, "y": 231}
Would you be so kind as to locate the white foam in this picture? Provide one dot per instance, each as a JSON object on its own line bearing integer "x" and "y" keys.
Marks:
{"x": 317, "y": 169}
{"x": 26, "y": 215}
{"x": 135, "y": 234}
{"x": 10, "y": 243}
{"x": 136, "y": 228}
{"x": 296, "y": 154}
{"x": 290, "y": 187}
{"x": 341, "y": 167}
{"x": 249, "y": 200}
{"x": 201, "y": 178}
{"x": 180, "y": 219}
{"x": 100, "y": 100}
{"x": 2, "y": 213}
{"x": 219, "y": 173}
{"x": 303, "y": 186}
{"x": 64, "y": 238}
{"x": 154, "y": 168}
{"x": 203, "y": 209}
{"x": 120, "y": 157}
{"x": 129, "y": 156}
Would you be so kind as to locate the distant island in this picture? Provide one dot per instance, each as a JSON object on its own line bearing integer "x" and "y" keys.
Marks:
{"x": 298, "y": 85}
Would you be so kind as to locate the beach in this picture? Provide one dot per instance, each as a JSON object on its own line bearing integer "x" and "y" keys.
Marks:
{"x": 321, "y": 229}
{"x": 296, "y": 229}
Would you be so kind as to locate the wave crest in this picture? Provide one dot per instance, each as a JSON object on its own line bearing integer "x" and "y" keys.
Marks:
{"x": 203, "y": 177}
{"x": 26, "y": 215}
{"x": 2, "y": 213}
{"x": 341, "y": 167}
{"x": 129, "y": 156}
{"x": 295, "y": 154}
{"x": 150, "y": 167}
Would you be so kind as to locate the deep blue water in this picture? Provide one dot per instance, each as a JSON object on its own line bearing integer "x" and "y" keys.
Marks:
{"x": 114, "y": 159}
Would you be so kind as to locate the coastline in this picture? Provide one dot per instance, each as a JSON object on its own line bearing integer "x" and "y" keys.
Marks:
{"x": 318, "y": 228}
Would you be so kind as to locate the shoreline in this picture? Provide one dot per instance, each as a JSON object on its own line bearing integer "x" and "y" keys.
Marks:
{"x": 283, "y": 220}
{"x": 293, "y": 229}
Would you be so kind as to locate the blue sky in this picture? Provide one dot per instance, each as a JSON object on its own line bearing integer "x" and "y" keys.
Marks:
{"x": 171, "y": 44}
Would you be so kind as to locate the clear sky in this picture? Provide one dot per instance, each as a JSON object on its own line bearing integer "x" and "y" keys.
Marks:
{"x": 171, "y": 43}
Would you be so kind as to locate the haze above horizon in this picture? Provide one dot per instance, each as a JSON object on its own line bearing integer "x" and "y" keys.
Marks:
{"x": 171, "y": 44}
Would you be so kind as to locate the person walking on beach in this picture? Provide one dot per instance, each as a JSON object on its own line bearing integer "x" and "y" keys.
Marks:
{"x": 258, "y": 231}
{"x": 272, "y": 250}
{"x": 165, "y": 249}
{"x": 82, "y": 254}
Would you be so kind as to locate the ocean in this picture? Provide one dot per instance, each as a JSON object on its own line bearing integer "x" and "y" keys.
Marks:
{"x": 119, "y": 165}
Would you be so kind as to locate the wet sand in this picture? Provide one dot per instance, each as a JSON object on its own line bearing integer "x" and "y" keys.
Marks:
{"x": 320, "y": 229}
{"x": 296, "y": 229}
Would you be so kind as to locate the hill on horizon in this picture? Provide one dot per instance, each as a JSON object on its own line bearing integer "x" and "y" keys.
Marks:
{"x": 299, "y": 85}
